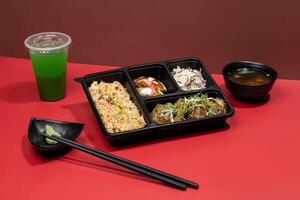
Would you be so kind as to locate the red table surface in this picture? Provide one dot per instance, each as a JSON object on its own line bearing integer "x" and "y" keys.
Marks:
{"x": 256, "y": 158}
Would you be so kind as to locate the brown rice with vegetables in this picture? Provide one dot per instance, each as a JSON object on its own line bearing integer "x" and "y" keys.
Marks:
{"x": 117, "y": 111}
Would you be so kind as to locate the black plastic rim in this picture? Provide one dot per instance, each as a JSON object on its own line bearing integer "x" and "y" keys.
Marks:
{"x": 142, "y": 101}
{"x": 249, "y": 64}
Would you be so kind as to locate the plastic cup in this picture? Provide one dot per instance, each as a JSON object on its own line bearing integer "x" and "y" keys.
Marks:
{"x": 49, "y": 56}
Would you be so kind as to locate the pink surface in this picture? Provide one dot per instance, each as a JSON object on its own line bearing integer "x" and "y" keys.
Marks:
{"x": 257, "y": 158}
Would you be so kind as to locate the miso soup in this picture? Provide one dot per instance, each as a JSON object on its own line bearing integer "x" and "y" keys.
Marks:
{"x": 249, "y": 76}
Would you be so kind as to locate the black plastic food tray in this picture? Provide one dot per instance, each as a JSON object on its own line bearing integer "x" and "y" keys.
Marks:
{"x": 161, "y": 71}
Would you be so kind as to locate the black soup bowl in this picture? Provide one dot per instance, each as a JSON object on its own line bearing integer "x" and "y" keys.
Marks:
{"x": 68, "y": 130}
{"x": 249, "y": 81}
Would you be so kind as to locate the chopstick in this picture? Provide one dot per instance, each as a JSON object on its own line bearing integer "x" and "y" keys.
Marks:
{"x": 169, "y": 179}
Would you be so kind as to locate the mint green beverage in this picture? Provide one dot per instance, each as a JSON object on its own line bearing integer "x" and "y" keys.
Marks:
{"x": 49, "y": 56}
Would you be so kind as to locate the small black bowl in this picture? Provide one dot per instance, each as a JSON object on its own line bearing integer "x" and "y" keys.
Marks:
{"x": 247, "y": 92}
{"x": 68, "y": 130}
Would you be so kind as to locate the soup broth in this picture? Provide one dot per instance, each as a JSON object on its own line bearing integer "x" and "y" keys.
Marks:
{"x": 251, "y": 77}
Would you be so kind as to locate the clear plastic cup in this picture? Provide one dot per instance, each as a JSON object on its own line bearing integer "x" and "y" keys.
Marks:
{"x": 49, "y": 56}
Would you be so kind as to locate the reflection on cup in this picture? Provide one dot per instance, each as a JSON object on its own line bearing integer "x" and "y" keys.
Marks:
{"x": 49, "y": 56}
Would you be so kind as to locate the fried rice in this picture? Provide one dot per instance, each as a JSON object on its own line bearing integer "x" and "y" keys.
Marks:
{"x": 117, "y": 111}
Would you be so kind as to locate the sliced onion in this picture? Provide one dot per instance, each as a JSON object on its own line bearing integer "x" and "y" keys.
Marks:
{"x": 188, "y": 79}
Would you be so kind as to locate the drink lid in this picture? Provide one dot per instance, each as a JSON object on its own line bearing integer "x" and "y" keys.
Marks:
{"x": 47, "y": 41}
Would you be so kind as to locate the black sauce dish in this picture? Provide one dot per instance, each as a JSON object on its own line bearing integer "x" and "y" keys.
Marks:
{"x": 68, "y": 130}
{"x": 244, "y": 91}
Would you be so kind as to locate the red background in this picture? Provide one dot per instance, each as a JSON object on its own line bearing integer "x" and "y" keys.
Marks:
{"x": 257, "y": 158}
{"x": 122, "y": 33}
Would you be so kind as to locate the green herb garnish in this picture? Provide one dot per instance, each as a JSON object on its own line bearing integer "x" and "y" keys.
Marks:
{"x": 196, "y": 106}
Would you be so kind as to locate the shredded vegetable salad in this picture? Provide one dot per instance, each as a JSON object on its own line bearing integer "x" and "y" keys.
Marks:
{"x": 189, "y": 79}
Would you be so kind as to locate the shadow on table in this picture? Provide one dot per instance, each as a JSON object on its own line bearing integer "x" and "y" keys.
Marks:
{"x": 107, "y": 168}
{"x": 172, "y": 136}
{"x": 241, "y": 104}
{"x": 32, "y": 155}
{"x": 83, "y": 114}
{"x": 21, "y": 92}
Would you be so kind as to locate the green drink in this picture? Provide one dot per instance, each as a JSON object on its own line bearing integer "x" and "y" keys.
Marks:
{"x": 50, "y": 73}
{"x": 49, "y": 55}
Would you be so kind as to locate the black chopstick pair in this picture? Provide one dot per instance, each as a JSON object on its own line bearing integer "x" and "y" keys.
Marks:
{"x": 167, "y": 178}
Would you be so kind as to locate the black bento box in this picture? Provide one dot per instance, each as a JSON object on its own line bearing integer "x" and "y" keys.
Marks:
{"x": 161, "y": 71}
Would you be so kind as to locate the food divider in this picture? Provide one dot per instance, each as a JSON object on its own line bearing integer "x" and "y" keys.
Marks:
{"x": 161, "y": 71}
